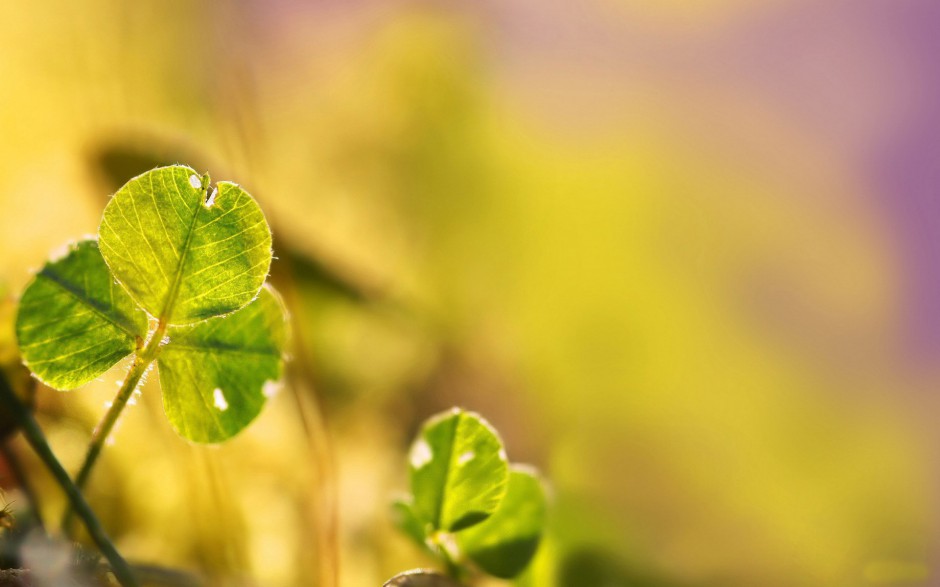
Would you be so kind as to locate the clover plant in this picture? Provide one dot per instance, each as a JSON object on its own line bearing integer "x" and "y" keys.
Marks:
{"x": 176, "y": 276}
{"x": 468, "y": 506}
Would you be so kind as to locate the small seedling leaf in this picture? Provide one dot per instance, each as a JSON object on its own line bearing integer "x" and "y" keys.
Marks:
{"x": 215, "y": 374}
{"x": 504, "y": 544}
{"x": 458, "y": 471}
{"x": 183, "y": 257}
{"x": 404, "y": 518}
{"x": 74, "y": 322}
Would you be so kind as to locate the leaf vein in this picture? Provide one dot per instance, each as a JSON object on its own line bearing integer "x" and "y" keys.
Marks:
{"x": 227, "y": 281}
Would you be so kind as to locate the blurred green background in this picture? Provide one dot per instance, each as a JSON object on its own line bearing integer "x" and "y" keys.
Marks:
{"x": 683, "y": 255}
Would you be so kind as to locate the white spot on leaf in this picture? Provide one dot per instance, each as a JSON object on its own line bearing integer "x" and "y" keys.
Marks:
{"x": 218, "y": 399}
{"x": 465, "y": 458}
{"x": 195, "y": 181}
{"x": 421, "y": 454}
{"x": 502, "y": 455}
{"x": 270, "y": 388}
{"x": 211, "y": 199}
{"x": 60, "y": 252}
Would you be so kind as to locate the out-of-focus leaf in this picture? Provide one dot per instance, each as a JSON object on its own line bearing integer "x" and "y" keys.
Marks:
{"x": 215, "y": 374}
{"x": 117, "y": 161}
{"x": 74, "y": 322}
{"x": 312, "y": 270}
{"x": 590, "y": 566}
{"x": 404, "y": 518}
{"x": 458, "y": 471}
{"x": 421, "y": 578}
{"x": 504, "y": 544}
{"x": 185, "y": 251}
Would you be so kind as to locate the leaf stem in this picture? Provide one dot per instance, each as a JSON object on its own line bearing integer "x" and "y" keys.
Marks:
{"x": 442, "y": 544}
{"x": 141, "y": 363}
{"x": 37, "y": 441}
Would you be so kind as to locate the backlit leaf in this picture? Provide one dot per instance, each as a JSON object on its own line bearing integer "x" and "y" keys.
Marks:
{"x": 74, "y": 322}
{"x": 184, "y": 250}
{"x": 505, "y": 542}
{"x": 216, "y": 374}
{"x": 458, "y": 471}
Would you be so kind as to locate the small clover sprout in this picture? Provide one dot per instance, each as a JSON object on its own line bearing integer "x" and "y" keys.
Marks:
{"x": 467, "y": 504}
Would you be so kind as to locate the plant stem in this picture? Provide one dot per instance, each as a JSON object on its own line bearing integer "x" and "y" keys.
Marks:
{"x": 37, "y": 441}
{"x": 141, "y": 363}
{"x": 325, "y": 515}
{"x": 442, "y": 543}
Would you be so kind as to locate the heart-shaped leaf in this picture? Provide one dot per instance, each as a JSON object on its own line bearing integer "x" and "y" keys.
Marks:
{"x": 458, "y": 471}
{"x": 505, "y": 542}
{"x": 185, "y": 251}
{"x": 74, "y": 322}
{"x": 217, "y": 374}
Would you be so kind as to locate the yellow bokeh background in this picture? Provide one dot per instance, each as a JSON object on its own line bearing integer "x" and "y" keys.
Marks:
{"x": 669, "y": 287}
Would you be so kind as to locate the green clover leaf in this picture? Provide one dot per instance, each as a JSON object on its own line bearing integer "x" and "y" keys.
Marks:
{"x": 404, "y": 518}
{"x": 185, "y": 251}
{"x": 458, "y": 471}
{"x": 74, "y": 322}
{"x": 504, "y": 544}
{"x": 195, "y": 258}
{"x": 467, "y": 505}
{"x": 217, "y": 374}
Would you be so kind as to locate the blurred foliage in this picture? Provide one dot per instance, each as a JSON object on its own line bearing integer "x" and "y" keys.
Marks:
{"x": 587, "y": 567}
{"x": 624, "y": 231}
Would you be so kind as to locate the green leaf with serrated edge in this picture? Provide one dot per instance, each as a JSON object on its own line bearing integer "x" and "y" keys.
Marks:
{"x": 216, "y": 374}
{"x": 184, "y": 250}
{"x": 404, "y": 518}
{"x": 505, "y": 542}
{"x": 74, "y": 322}
{"x": 458, "y": 471}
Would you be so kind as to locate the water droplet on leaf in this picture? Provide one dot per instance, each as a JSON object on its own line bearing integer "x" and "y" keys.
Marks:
{"x": 60, "y": 252}
{"x": 421, "y": 454}
{"x": 466, "y": 458}
{"x": 218, "y": 399}
{"x": 270, "y": 388}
